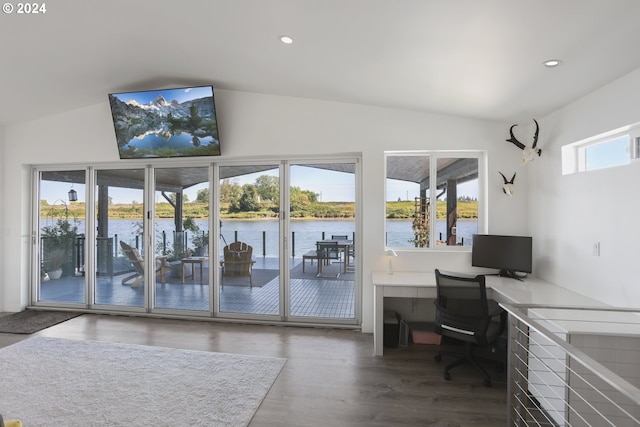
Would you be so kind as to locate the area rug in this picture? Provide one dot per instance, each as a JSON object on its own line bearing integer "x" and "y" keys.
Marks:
{"x": 58, "y": 382}
{"x": 30, "y": 321}
{"x": 259, "y": 277}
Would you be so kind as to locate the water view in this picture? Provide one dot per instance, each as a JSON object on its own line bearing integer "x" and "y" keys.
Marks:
{"x": 264, "y": 235}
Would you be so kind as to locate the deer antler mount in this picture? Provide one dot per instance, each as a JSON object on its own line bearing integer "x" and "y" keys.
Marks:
{"x": 507, "y": 187}
{"x": 528, "y": 153}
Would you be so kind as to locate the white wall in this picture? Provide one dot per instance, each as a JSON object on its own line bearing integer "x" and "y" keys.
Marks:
{"x": 255, "y": 125}
{"x": 569, "y": 213}
{"x": 3, "y": 224}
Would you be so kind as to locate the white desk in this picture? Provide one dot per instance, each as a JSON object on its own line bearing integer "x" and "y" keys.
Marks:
{"x": 502, "y": 289}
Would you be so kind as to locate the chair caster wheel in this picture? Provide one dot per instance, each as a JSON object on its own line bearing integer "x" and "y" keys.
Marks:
{"x": 437, "y": 358}
{"x": 447, "y": 376}
{"x": 487, "y": 383}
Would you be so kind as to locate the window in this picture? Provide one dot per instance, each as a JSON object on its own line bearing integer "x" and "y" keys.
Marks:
{"x": 616, "y": 148}
{"x": 433, "y": 210}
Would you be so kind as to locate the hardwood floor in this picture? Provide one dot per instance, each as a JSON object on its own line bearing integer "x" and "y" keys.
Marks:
{"x": 331, "y": 377}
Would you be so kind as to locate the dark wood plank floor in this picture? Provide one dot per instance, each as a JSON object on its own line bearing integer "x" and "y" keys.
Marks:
{"x": 331, "y": 377}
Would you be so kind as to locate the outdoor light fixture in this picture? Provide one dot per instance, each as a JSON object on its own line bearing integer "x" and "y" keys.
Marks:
{"x": 73, "y": 195}
{"x": 390, "y": 253}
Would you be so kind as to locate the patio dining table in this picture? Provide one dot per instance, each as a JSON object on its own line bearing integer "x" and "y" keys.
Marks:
{"x": 344, "y": 246}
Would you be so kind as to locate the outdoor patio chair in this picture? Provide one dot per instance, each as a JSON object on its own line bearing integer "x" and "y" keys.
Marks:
{"x": 327, "y": 251}
{"x": 137, "y": 262}
{"x": 238, "y": 261}
{"x": 339, "y": 237}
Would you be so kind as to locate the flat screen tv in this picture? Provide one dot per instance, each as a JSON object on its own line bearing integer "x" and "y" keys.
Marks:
{"x": 512, "y": 255}
{"x": 165, "y": 123}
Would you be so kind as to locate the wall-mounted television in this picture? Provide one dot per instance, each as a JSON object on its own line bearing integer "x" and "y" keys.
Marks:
{"x": 512, "y": 255}
{"x": 165, "y": 123}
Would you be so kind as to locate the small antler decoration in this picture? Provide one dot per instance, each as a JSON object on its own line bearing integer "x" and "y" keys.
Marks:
{"x": 528, "y": 153}
{"x": 508, "y": 185}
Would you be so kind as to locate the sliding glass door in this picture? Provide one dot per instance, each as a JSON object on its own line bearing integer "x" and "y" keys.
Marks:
{"x": 61, "y": 227}
{"x": 120, "y": 249}
{"x": 249, "y": 241}
{"x": 181, "y": 222}
{"x": 171, "y": 240}
{"x": 323, "y": 241}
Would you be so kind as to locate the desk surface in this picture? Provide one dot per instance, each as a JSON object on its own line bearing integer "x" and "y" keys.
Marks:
{"x": 531, "y": 290}
{"x": 528, "y": 291}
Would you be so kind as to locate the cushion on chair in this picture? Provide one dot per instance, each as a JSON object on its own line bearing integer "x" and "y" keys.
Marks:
{"x": 10, "y": 423}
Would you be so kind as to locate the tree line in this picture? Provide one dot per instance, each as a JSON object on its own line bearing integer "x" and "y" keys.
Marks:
{"x": 260, "y": 199}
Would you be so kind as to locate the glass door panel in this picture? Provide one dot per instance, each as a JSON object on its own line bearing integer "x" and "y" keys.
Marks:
{"x": 62, "y": 239}
{"x": 322, "y": 210}
{"x": 120, "y": 249}
{"x": 250, "y": 240}
{"x": 182, "y": 238}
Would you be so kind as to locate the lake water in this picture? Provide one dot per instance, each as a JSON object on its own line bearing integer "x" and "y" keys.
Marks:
{"x": 155, "y": 141}
{"x": 264, "y": 235}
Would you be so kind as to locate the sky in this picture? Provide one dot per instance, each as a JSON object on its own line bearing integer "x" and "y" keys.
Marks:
{"x": 180, "y": 95}
{"x": 329, "y": 185}
{"x": 403, "y": 190}
{"x": 609, "y": 153}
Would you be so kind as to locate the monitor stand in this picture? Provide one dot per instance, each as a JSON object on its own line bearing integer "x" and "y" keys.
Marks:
{"x": 512, "y": 274}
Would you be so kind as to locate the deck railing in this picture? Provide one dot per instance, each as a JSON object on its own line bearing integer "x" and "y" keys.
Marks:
{"x": 573, "y": 366}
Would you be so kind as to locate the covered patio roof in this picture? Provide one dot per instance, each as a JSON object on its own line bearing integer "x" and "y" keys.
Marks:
{"x": 176, "y": 179}
{"x": 416, "y": 169}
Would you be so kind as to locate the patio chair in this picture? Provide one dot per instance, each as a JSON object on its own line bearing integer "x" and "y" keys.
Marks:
{"x": 327, "y": 251}
{"x": 137, "y": 262}
{"x": 340, "y": 237}
{"x": 238, "y": 261}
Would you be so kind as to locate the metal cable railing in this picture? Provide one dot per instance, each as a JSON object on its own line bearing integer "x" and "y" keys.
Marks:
{"x": 573, "y": 366}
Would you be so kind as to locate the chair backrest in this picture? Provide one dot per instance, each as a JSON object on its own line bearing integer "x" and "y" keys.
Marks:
{"x": 237, "y": 252}
{"x": 237, "y": 246}
{"x": 327, "y": 250}
{"x": 339, "y": 237}
{"x": 462, "y": 309}
{"x": 238, "y": 258}
{"x": 133, "y": 256}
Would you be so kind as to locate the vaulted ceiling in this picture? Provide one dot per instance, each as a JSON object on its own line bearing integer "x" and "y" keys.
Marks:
{"x": 469, "y": 58}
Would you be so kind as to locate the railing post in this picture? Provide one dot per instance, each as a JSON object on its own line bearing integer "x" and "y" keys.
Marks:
{"x": 235, "y": 235}
{"x": 293, "y": 244}
{"x": 264, "y": 244}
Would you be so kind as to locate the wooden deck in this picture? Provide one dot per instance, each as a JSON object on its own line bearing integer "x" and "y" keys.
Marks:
{"x": 310, "y": 296}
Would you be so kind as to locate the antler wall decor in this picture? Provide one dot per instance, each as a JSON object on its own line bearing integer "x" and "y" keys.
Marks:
{"x": 528, "y": 153}
{"x": 507, "y": 187}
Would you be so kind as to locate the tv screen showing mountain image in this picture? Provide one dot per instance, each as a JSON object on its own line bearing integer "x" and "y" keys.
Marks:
{"x": 165, "y": 123}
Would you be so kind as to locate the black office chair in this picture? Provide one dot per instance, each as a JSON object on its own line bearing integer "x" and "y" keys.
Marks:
{"x": 464, "y": 313}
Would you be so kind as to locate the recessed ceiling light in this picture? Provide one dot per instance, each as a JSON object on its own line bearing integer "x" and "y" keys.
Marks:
{"x": 551, "y": 63}
{"x": 286, "y": 39}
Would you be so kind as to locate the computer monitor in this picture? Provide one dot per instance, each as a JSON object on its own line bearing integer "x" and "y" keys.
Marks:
{"x": 512, "y": 255}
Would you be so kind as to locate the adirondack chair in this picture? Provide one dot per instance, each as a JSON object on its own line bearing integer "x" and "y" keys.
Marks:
{"x": 238, "y": 260}
{"x": 137, "y": 262}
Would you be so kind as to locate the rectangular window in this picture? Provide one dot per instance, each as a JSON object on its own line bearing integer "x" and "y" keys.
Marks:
{"x": 612, "y": 152}
{"x": 615, "y": 148}
{"x": 432, "y": 199}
